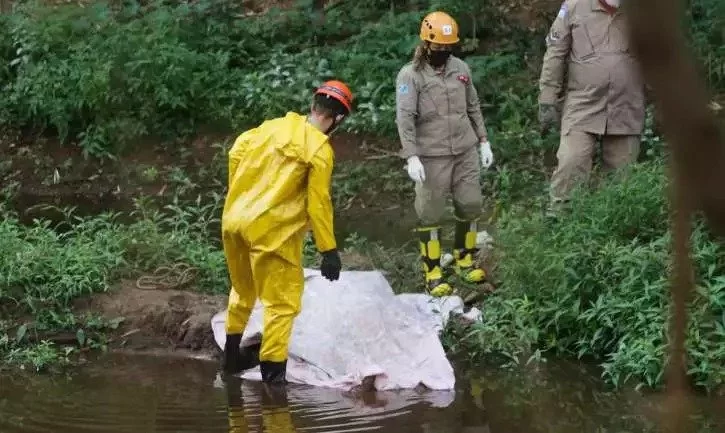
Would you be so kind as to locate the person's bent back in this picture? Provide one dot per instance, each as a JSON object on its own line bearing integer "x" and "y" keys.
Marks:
{"x": 269, "y": 169}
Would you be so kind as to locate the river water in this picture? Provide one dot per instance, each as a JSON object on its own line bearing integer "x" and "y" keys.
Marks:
{"x": 132, "y": 393}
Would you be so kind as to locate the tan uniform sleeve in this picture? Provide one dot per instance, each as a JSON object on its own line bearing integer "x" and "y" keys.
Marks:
{"x": 558, "y": 45}
{"x": 319, "y": 201}
{"x": 473, "y": 104}
{"x": 406, "y": 111}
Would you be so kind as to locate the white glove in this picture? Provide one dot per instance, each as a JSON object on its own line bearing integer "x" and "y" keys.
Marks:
{"x": 486, "y": 154}
{"x": 415, "y": 169}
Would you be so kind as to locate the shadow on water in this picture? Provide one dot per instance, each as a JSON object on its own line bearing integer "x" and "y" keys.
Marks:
{"x": 127, "y": 393}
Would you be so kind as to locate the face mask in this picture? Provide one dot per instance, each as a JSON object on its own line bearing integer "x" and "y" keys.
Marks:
{"x": 438, "y": 58}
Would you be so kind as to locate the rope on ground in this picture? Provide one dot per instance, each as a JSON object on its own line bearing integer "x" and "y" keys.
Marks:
{"x": 172, "y": 277}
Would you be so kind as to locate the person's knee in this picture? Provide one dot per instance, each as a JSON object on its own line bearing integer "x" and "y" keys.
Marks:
{"x": 575, "y": 151}
{"x": 468, "y": 207}
{"x": 623, "y": 154}
{"x": 284, "y": 310}
{"x": 282, "y": 296}
{"x": 573, "y": 162}
{"x": 430, "y": 216}
{"x": 429, "y": 209}
{"x": 237, "y": 318}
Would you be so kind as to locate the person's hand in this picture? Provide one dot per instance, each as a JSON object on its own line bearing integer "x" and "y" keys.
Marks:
{"x": 331, "y": 265}
{"x": 486, "y": 153}
{"x": 548, "y": 117}
{"x": 415, "y": 169}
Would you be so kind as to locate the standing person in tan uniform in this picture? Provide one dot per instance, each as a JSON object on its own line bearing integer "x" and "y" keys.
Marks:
{"x": 442, "y": 133}
{"x": 589, "y": 42}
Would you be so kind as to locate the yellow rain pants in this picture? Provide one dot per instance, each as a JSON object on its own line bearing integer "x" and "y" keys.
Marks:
{"x": 279, "y": 185}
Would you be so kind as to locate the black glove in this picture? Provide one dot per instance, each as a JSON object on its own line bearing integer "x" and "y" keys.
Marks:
{"x": 331, "y": 265}
{"x": 548, "y": 117}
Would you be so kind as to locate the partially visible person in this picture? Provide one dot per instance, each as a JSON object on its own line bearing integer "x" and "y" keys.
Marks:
{"x": 279, "y": 185}
{"x": 603, "y": 92}
{"x": 445, "y": 143}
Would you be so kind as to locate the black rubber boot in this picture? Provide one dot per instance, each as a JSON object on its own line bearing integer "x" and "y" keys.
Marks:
{"x": 274, "y": 373}
{"x": 430, "y": 252}
{"x": 236, "y": 359}
{"x": 465, "y": 250}
{"x": 231, "y": 355}
{"x": 249, "y": 356}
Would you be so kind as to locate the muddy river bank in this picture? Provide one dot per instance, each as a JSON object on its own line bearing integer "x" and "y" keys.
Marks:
{"x": 141, "y": 393}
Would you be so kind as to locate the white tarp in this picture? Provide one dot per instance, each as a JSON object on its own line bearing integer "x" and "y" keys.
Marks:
{"x": 357, "y": 327}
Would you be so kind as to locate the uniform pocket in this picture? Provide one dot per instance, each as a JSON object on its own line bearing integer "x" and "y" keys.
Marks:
{"x": 581, "y": 44}
{"x": 619, "y": 35}
{"x": 433, "y": 100}
{"x": 457, "y": 95}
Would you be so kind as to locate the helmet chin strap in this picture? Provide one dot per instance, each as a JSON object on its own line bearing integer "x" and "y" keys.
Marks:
{"x": 335, "y": 123}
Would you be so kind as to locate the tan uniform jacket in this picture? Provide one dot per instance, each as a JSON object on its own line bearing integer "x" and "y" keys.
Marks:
{"x": 438, "y": 114}
{"x": 605, "y": 90}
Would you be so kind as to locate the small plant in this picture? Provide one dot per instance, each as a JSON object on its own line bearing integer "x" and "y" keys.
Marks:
{"x": 149, "y": 174}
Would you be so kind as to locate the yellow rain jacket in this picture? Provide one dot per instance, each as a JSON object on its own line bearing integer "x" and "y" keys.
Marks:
{"x": 279, "y": 185}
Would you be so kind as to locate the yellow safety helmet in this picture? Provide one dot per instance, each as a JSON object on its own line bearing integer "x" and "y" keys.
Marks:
{"x": 439, "y": 27}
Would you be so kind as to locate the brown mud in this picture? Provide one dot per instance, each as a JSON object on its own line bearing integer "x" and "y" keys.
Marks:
{"x": 171, "y": 321}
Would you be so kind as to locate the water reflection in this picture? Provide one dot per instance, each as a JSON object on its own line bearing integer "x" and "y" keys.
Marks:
{"x": 150, "y": 394}
{"x": 256, "y": 407}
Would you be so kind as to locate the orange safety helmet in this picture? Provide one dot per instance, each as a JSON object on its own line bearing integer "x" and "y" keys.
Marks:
{"x": 439, "y": 27}
{"x": 337, "y": 90}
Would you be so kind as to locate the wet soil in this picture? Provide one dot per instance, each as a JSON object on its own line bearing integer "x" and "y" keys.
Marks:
{"x": 158, "y": 321}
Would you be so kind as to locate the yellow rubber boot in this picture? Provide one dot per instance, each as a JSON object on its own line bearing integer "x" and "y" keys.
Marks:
{"x": 464, "y": 250}
{"x": 430, "y": 252}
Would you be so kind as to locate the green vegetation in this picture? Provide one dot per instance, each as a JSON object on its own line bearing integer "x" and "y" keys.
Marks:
{"x": 105, "y": 78}
{"x": 596, "y": 285}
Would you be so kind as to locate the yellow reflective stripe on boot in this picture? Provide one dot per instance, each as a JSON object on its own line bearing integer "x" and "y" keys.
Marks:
{"x": 465, "y": 265}
{"x": 471, "y": 237}
{"x": 475, "y": 275}
{"x": 430, "y": 251}
{"x": 442, "y": 289}
{"x": 466, "y": 269}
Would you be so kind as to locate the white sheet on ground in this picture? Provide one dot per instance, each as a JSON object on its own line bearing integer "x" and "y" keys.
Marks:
{"x": 357, "y": 327}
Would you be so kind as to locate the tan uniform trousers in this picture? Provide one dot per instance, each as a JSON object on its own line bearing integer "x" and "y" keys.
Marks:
{"x": 576, "y": 152}
{"x": 456, "y": 174}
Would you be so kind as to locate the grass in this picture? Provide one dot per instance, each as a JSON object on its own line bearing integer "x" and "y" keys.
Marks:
{"x": 590, "y": 286}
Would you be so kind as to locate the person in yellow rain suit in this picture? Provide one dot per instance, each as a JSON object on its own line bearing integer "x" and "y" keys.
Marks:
{"x": 279, "y": 185}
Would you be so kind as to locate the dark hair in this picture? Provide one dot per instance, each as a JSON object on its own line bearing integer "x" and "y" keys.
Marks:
{"x": 328, "y": 106}
{"x": 420, "y": 55}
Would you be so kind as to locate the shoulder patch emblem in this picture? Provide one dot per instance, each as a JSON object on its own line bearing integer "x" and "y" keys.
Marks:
{"x": 403, "y": 89}
{"x": 464, "y": 79}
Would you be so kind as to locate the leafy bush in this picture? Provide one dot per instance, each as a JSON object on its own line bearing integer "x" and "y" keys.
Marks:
{"x": 595, "y": 284}
{"x": 706, "y": 21}
{"x": 113, "y": 81}
{"x": 105, "y": 76}
{"x": 45, "y": 268}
